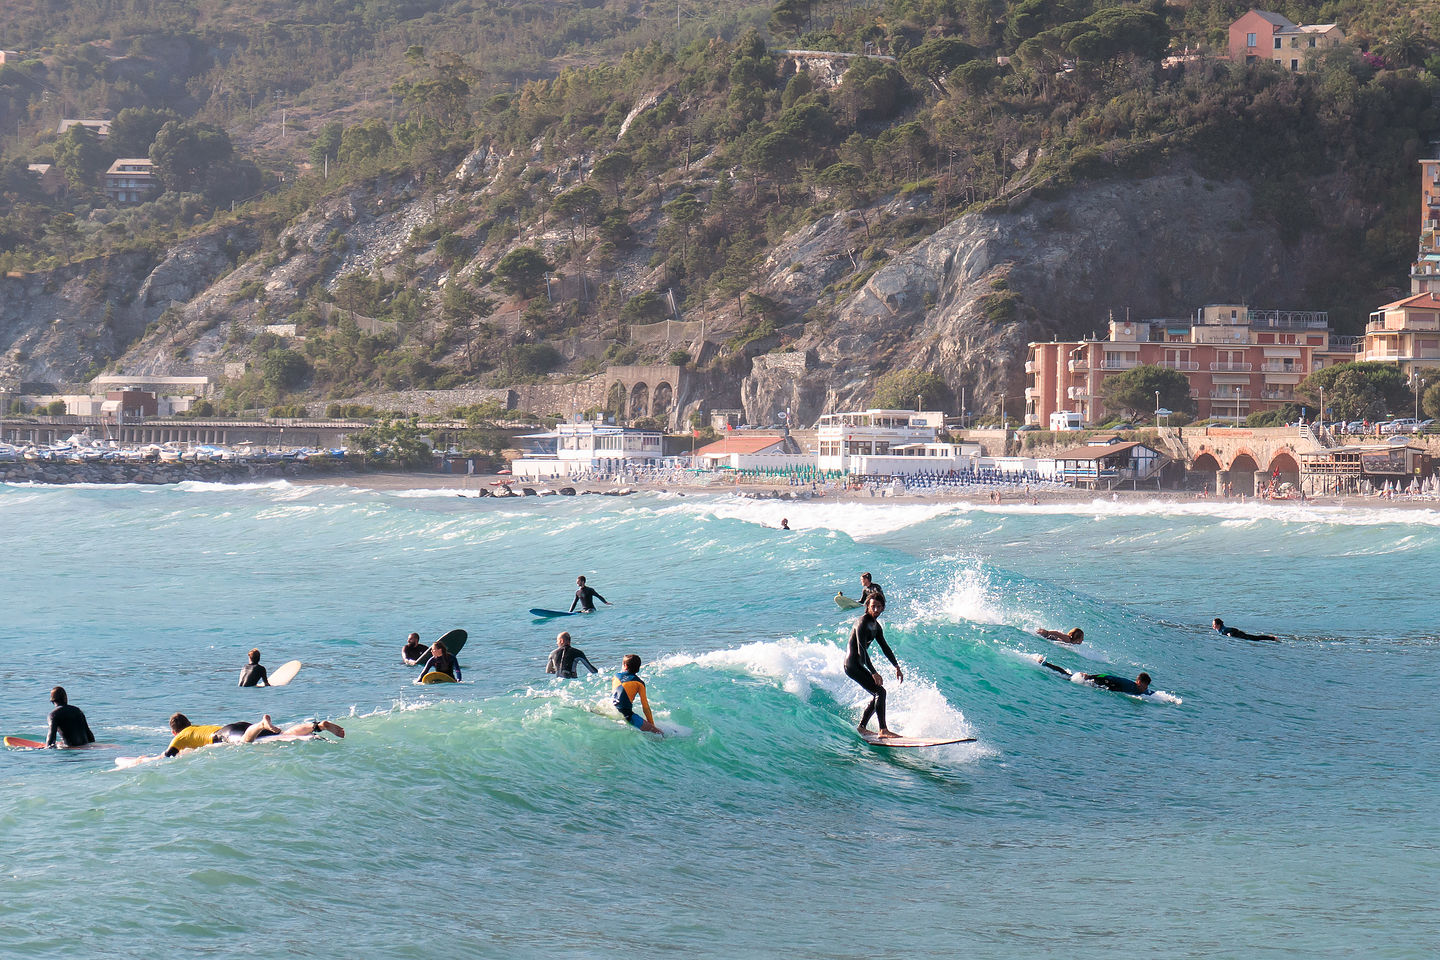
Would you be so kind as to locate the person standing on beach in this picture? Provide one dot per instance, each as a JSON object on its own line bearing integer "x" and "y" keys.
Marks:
{"x": 627, "y": 687}
{"x": 67, "y": 723}
{"x": 861, "y": 669}
{"x": 564, "y": 657}
{"x": 586, "y": 597}
{"x": 254, "y": 675}
{"x": 413, "y": 650}
{"x": 869, "y": 588}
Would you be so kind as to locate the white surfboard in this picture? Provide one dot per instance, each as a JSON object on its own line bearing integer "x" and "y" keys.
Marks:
{"x": 877, "y": 741}
{"x": 284, "y": 673}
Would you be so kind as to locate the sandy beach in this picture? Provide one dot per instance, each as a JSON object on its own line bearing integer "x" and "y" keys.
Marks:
{"x": 470, "y": 485}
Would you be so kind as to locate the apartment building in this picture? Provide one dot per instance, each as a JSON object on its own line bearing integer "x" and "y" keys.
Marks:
{"x": 1238, "y": 360}
{"x": 131, "y": 180}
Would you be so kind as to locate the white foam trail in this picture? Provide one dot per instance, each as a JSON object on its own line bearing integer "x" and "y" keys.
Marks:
{"x": 857, "y": 519}
{"x": 970, "y": 595}
{"x": 915, "y": 707}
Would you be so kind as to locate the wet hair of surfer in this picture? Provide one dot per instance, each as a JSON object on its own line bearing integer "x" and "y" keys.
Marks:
{"x": 438, "y": 649}
{"x": 631, "y": 662}
{"x": 178, "y": 722}
{"x": 59, "y": 697}
{"x": 255, "y": 655}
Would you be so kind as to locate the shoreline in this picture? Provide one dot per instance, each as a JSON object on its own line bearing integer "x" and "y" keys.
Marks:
{"x": 781, "y": 493}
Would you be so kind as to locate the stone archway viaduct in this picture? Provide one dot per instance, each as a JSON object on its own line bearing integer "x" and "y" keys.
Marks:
{"x": 1241, "y": 456}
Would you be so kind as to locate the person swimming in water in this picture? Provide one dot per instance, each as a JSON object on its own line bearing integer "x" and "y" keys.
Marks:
{"x": 861, "y": 669}
{"x": 1074, "y": 636}
{"x": 784, "y": 523}
{"x": 442, "y": 661}
{"x": 254, "y": 675}
{"x": 1138, "y": 687}
{"x": 1238, "y": 634}
{"x": 586, "y": 597}
{"x": 67, "y": 723}
{"x": 626, "y": 688}
{"x": 564, "y": 657}
{"x": 188, "y": 736}
{"x": 413, "y": 650}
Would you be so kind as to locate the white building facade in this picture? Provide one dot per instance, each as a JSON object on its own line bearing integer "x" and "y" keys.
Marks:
{"x": 590, "y": 447}
{"x": 845, "y": 440}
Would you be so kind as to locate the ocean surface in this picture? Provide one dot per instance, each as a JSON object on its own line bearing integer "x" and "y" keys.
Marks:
{"x": 1272, "y": 800}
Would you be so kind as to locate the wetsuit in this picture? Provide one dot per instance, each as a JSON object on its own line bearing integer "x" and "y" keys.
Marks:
{"x": 445, "y": 663}
{"x": 235, "y": 733}
{"x": 563, "y": 660}
{"x": 627, "y": 688}
{"x": 872, "y": 591}
{"x": 1107, "y": 680}
{"x": 69, "y": 724}
{"x": 858, "y": 666}
{"x": 1242, "y": 635}
{"x": 586, "y": 597}
{"x": 254, "y": 675}
{"x": 412, "y": 655}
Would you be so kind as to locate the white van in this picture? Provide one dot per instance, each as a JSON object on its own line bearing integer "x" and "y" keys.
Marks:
{"x": 1065, "y": 420}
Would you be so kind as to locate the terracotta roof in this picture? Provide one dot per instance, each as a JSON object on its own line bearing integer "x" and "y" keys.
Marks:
{"x": 1423, "y": 301}
{"x": 1098, "y": 453}
{"x": 739, "y": 443}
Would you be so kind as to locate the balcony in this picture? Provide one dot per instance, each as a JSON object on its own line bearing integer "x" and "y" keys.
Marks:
{"x": 1078, "y": 365}
{"x": 1029, "y": 366}
{"x": 1031, "y": 393}
{"x": 1186, "y": 365}
{"x": 1077, "y": 393}
{"x": 1116, "y": 363}
{"x": 1231, "y": 367}
{"x": 1230, "y": 395}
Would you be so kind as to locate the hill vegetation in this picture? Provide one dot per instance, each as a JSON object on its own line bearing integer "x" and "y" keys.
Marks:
{"x": 648, "y": 152}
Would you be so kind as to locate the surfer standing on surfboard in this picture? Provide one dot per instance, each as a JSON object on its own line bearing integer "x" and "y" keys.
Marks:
{"x": 586, "y": 597}
{"x": 67, "y": 722}
{"x": 858, "y": 666}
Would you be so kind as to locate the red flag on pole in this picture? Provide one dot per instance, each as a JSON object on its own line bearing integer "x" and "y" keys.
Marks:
{"x": 728, "y": 427}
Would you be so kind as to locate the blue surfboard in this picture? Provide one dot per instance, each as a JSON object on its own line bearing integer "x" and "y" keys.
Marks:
{"x": 542, "y": 614}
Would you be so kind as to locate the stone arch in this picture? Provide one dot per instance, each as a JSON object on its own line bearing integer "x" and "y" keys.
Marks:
{"x": 1206, "y": 463}
{"x": 1205, "y": 468}
{"x": 1241, "y": 473}
{"x": 615, "y": 400}
{"x": 1284, "y": 469}
{"x": 639, "y": 401}
{"x": 662, "y": 400}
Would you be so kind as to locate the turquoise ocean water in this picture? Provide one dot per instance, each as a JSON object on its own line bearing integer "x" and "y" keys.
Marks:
{"x": 1275, "y": 800}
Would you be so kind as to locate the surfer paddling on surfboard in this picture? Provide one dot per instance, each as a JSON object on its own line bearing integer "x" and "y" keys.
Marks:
{"x": 858, "y": 666}
{"x": 1237, "y": 634}
{"x": 188, "y": 736}
{"x": 1074, "y": 636}
{"x": 1138, "y": 687}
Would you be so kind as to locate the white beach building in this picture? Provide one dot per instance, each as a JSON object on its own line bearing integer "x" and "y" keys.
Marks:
{"x": 572, "y": 449}
{"x": 886, "y": 442}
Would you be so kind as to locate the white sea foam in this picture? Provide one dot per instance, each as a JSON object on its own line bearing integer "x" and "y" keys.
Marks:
{"x": 915, "y": 707}
{"x": 969, "y": 595}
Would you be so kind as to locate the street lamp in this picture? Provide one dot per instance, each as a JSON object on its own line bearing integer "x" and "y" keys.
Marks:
{"x": 1003, "y": 422}
{"x": 1322, "y": 409}
{"x": 1157, "y": 409}
{"x": 1237, "y": 406}
{"x": 1420, "y": 381}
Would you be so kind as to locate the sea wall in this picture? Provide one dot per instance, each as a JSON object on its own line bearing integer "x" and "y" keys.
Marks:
{"x": 30, "y": 471}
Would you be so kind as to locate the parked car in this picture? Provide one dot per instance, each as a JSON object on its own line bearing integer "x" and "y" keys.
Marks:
{"x": 1403, "y": 425}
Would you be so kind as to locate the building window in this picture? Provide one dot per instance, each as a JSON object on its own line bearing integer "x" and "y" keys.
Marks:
{"x": 1249, "y": 39}
{"x": 1312, "y": 41}
{"x": 1295, "y": 66}
{"x": 1278, "y": 42}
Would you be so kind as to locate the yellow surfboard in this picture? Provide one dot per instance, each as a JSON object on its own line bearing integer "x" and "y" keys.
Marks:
{"x": 435, "y": 676}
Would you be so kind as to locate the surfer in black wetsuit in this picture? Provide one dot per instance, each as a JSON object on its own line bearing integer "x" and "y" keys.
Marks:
{"x": 67, "y": 723}
{"x": 442, "y": 660}
{"x": 868, "y": 589}
{"x": 1138, "y": 687}
{"x": 413, "y": 650}
{"x": 586, "y": 597}
{"x": 1074, "y": 636}
{"x": 861, "y": 669}
{"x": 564, "y": 657}
{"x": 1237, "y": 634}
{"x": 254, "y": 675}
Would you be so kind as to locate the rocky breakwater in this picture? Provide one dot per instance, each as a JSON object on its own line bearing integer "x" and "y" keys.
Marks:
{"x": 30, "y": 471}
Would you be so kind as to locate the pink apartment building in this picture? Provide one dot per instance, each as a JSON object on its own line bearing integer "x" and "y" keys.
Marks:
{"x": 1238, "y": 361}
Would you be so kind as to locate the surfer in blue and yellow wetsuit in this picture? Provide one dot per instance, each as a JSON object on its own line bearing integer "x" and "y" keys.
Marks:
{"x": 861, "y": 669}
{"x": 628, "y": 687}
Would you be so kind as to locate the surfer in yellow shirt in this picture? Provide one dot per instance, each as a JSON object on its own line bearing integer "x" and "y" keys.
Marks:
{"x": 189, "y": 736}
{"x": 628, "y": 687}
